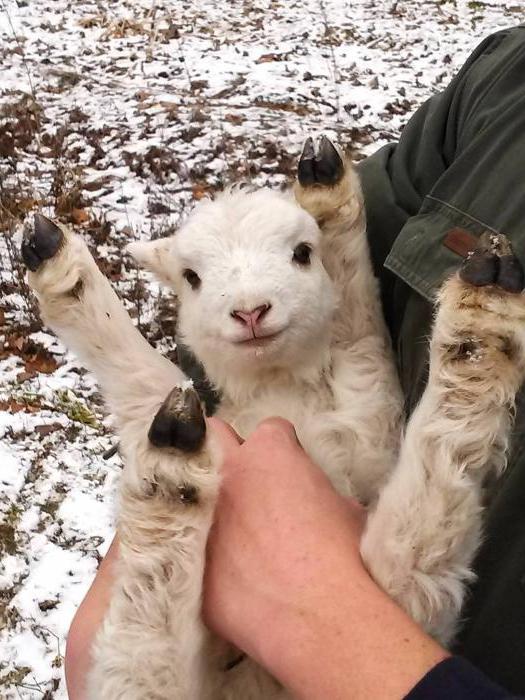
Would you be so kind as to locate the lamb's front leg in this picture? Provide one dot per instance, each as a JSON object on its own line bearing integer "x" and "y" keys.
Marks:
{"x": 424, "y": 532}
{"x": 79, "y": 304}
{"x": 328, "y": 188}
{"x": 362, "y": 361}
{"x": 151, "y": 642}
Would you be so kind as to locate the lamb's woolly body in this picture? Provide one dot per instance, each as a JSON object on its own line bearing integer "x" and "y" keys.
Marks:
{"x": 331, "y": 373}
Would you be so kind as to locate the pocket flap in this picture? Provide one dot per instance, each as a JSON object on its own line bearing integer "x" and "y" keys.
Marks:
{"x": 432, "y": 244}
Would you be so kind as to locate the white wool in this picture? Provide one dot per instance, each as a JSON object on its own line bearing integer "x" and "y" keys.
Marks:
{"x": 330, "y": 371}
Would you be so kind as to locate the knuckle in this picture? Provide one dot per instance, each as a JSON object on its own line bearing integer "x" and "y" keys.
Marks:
{"x": 275, "y": 427}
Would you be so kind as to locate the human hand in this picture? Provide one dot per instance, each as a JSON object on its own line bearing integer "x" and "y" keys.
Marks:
{"x": 285, "y": 581}
{"x": 283, "y": 541}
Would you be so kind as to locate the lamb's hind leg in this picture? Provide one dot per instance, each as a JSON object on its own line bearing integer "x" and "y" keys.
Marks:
{"x": 424, "y": 532}
{"x": 151, "y": 641}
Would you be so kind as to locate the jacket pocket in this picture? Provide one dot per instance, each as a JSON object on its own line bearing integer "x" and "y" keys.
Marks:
{"x": 420, "y": 255}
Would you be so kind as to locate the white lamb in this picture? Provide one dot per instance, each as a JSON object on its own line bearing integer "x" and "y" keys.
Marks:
{"x": 279, "y": 303}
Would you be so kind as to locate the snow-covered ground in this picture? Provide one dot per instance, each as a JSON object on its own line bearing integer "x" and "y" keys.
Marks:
{"x": 115, "y": 116}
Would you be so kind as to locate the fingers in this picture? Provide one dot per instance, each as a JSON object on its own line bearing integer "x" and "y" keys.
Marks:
{"x": 226, "y": 440}
{"x": 276, "y": 428}
{"x": 270, "y": 428}
{"x": 270, "y": 434}
{"x": 224, "y": 431}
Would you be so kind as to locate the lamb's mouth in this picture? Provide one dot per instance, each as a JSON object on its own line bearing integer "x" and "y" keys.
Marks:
{"x": 259, "y": 341}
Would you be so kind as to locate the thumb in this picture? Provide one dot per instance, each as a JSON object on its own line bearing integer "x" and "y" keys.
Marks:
{"x": 226, "y": 440}
{"x": 280, "y": 427}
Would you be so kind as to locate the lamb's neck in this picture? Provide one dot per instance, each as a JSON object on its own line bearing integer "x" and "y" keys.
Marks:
{"x": 240, "y": 389}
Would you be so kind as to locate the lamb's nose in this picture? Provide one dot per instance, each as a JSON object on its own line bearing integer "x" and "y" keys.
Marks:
{"x": 253, "y": 317}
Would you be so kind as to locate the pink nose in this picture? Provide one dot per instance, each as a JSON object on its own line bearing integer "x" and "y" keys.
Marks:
{"x": 251, "y": 318}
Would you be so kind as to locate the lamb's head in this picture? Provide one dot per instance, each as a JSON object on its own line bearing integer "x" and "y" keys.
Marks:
{"x": 253, "y": 292}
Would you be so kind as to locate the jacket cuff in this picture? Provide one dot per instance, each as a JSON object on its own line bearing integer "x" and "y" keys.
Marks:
{"x": 457, "y": 679}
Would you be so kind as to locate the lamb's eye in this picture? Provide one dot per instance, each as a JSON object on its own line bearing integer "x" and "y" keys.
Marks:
{"x": 192, "y": 278}
{"x": 301, "y": 254}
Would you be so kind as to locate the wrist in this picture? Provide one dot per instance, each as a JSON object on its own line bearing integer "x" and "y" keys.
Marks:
{"x": 351, "y": 641}
{"x": 305, "y": 643}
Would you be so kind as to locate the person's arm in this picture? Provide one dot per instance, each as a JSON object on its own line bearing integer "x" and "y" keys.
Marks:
{"x": 285, "y": 582}
{"x": 86, "y": 623}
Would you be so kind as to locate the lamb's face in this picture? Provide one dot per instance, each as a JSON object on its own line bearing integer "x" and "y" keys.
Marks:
{"x": 253, "y": 291}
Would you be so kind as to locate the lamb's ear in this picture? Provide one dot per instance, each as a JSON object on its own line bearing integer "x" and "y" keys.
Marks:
{"x": 154, "y": 256}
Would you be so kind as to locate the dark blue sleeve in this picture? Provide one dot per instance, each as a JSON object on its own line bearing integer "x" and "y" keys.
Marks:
{"x": 457, "y": 679}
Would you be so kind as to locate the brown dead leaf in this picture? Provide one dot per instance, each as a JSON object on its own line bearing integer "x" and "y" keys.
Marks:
{"x": 233, "y": 118}
{"x": 199, "y": 191}
{"x": 142, "y": 95}
{"x": 41, "y": 362}
{"x": 110, "y": 268}
{"x": 79, "y": 216}
{"x": 300, "y": 109}
{"x": 199, "y": 84}
{"x": 97, "y": 184}
{"x": 15, "y": 406}
{"x": 44, "y": 430}
{"x": 270, "y": 58}
{"x": 35, "y": 356}
{"x": 24, "y": 376}
{"x": 169, "y": 106}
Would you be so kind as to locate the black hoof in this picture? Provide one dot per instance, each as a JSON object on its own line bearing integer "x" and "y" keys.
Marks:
{"x": 324, "y": 167}
{"x": 179, "y": 422}
{"x": 480, "y": 268}
{"x": 511, "y": 277}
{"x": 494, "y": 263}
{"x": 42, "y": 244}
